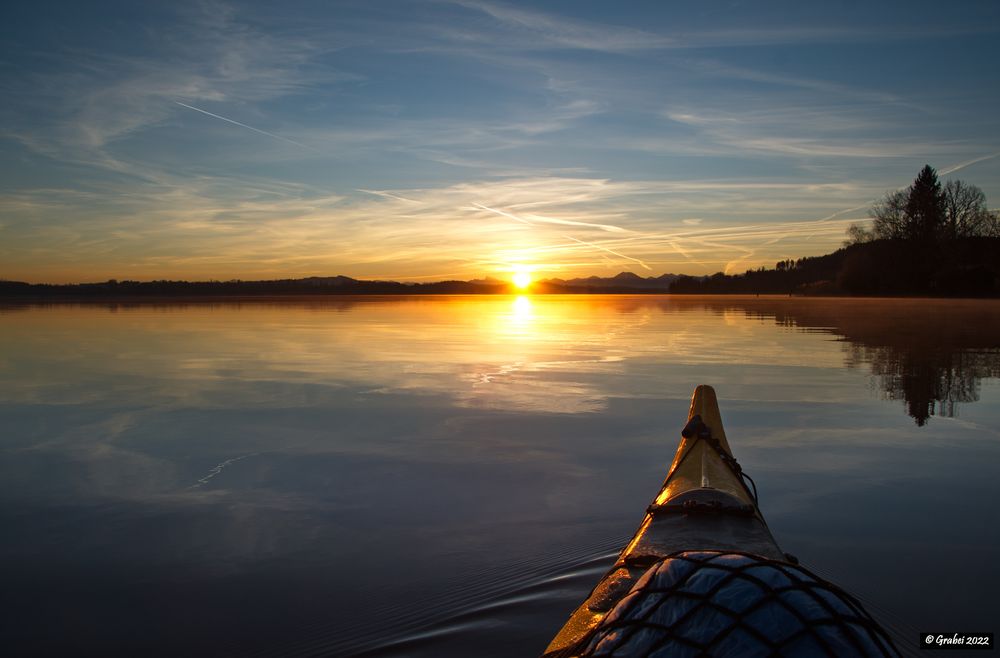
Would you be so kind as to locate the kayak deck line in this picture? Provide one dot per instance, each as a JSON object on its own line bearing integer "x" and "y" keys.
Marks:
{"x": 705, "y": 513}
{"x": 735, "y": 605}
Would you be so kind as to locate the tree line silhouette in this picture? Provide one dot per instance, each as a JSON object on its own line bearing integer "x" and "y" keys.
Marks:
{"x": 927, "y": 212}
{"x": 926, "y": 239}
{"x": 338, "y": 285}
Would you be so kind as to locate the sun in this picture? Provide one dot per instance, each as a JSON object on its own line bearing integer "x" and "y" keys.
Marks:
{"x": 521, "y": 280}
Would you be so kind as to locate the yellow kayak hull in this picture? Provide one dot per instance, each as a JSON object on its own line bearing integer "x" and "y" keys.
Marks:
{"x": 702, "y": 505}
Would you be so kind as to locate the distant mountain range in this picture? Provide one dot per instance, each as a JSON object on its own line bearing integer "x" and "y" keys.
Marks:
{"x": 622, "y": 283}
{"x": 621, "y": 280}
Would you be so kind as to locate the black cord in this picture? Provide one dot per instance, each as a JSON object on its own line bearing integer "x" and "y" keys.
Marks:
{"x": 753, "y": 485}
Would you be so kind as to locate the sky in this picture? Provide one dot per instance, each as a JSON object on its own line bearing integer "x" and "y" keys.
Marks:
{"x": 439, "y": 139}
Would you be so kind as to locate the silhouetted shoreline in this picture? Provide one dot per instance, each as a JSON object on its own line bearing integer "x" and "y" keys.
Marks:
{"x": 321, "y": 287}
{"x": 966, "y": 267}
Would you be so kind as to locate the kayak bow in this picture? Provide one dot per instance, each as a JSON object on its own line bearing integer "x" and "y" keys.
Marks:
{"x": 704, "y": 577}
{"x": 704, "y": 503}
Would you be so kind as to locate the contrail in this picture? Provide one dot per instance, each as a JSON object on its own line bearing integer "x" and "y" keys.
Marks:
{"x": 944, "y": 172}
{"x": 840, "y": 212}
{"x": 963, "y": 165}
{"x": 243, "y": 125}
{"x": 568, "y": 237}
{"x": 387, "y": 195}
{"x": 503, "y": 214}
{"x": 828, "y": 218}
{"x": 610, "y": 251}
{"x": 218, "y": 469}
{"x": 610, "y": 228}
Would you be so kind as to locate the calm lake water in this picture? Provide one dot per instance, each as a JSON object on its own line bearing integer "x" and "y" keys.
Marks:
{"x": 450, "y": 476}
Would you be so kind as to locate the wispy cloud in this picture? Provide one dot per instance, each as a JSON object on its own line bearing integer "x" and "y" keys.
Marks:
{"x": 562, "y": 31}
{"x": 549, "y": 30}
{"x": 78, "y": 112}
{"x": 708, "y": 67}
{"x": 799, "y": 131}
{"x": 559, "y": 225}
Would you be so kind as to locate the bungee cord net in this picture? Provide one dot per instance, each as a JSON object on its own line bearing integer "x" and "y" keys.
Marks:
{"x": 727, "y": 603}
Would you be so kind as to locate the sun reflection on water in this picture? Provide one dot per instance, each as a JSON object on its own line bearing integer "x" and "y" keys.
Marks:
{"x": 511, "y": 352}
{"x": 522, "y": 312}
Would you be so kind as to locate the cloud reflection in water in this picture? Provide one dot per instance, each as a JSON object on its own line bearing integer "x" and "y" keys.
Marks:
{"x": 398, "y": 439}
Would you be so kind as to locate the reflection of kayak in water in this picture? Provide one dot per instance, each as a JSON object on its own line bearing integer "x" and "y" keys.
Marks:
{"x": 704, "y": 577}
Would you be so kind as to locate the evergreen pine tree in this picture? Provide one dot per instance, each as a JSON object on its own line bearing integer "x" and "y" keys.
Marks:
{"x": 925, "y": 207}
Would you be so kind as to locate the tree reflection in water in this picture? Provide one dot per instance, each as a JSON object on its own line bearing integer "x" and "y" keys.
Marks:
{"x": 931, "y": 382}
{"x": 932, "y": 354}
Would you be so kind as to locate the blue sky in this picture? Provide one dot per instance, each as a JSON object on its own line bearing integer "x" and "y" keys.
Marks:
{"x": 430, "y": 139}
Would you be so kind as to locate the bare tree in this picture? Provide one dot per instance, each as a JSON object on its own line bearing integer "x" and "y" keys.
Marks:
{"x": 857, "y": 234}
{"x": 890, "y": 216}
{"x": 966, "y": 214}
{"x": 990, "y": 226}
